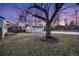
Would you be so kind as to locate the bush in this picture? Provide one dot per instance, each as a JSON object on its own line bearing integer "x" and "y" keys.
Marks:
{"x": 19, "y": 30}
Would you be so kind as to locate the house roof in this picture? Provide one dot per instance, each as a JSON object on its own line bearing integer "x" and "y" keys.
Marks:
{"x": 7, "y": 23}
{"x": 2, "y": 17}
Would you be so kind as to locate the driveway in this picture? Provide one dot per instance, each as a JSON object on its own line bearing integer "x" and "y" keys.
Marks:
{"x": 69, "y": 33}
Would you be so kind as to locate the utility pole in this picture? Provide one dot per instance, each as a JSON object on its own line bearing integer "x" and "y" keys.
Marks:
{"x": 76, "y": 16}
{"x": 57, "y": 19}
{"x": 35, "y": 22}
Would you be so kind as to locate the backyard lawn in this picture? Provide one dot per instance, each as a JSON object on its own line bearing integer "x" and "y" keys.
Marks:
{"x": 30, "y": 44}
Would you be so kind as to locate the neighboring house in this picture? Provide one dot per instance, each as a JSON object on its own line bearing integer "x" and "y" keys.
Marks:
{"x": 4, "y": 24}
{"x": 30, "y": 28}
{"x": 11, "y": 28}
{"x": 60, "y": 27}
{"x": 77, "y": 28}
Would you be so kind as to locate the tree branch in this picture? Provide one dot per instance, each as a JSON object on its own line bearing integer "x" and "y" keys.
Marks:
{"x": 40, "y": 17}
{"x": 67, "y": 7}
{"x": 57, "y": 8}
{"x": 39, "y": 8}
{"x": 77, "y": 3}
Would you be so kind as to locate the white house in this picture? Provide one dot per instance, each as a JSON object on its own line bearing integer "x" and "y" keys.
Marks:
{"x": 31, "y": 28}
{"x": 3, "y": 27}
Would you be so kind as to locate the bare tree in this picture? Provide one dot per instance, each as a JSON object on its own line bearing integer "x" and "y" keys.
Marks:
{"x": 22, "y": 17}
{"x": 45, "y": 8}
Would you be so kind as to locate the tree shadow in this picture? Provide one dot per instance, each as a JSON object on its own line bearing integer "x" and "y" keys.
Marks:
{"x": 50, "y": 40}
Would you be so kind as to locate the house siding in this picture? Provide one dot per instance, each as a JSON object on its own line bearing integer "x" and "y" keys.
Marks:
{"x": 3, "y": 29}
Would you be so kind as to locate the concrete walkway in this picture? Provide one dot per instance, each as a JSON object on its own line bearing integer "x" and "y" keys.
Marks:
{"x": 63, "y": 32}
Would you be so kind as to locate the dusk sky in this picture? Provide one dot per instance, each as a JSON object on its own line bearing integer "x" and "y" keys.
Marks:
{"x": 10, "y": 12}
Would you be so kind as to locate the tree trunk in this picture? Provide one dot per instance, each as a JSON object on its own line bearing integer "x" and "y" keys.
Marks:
{"x": 48, "y": 30}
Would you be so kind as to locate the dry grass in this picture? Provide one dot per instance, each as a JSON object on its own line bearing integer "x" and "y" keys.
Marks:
{"x": 30, "y": 45}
